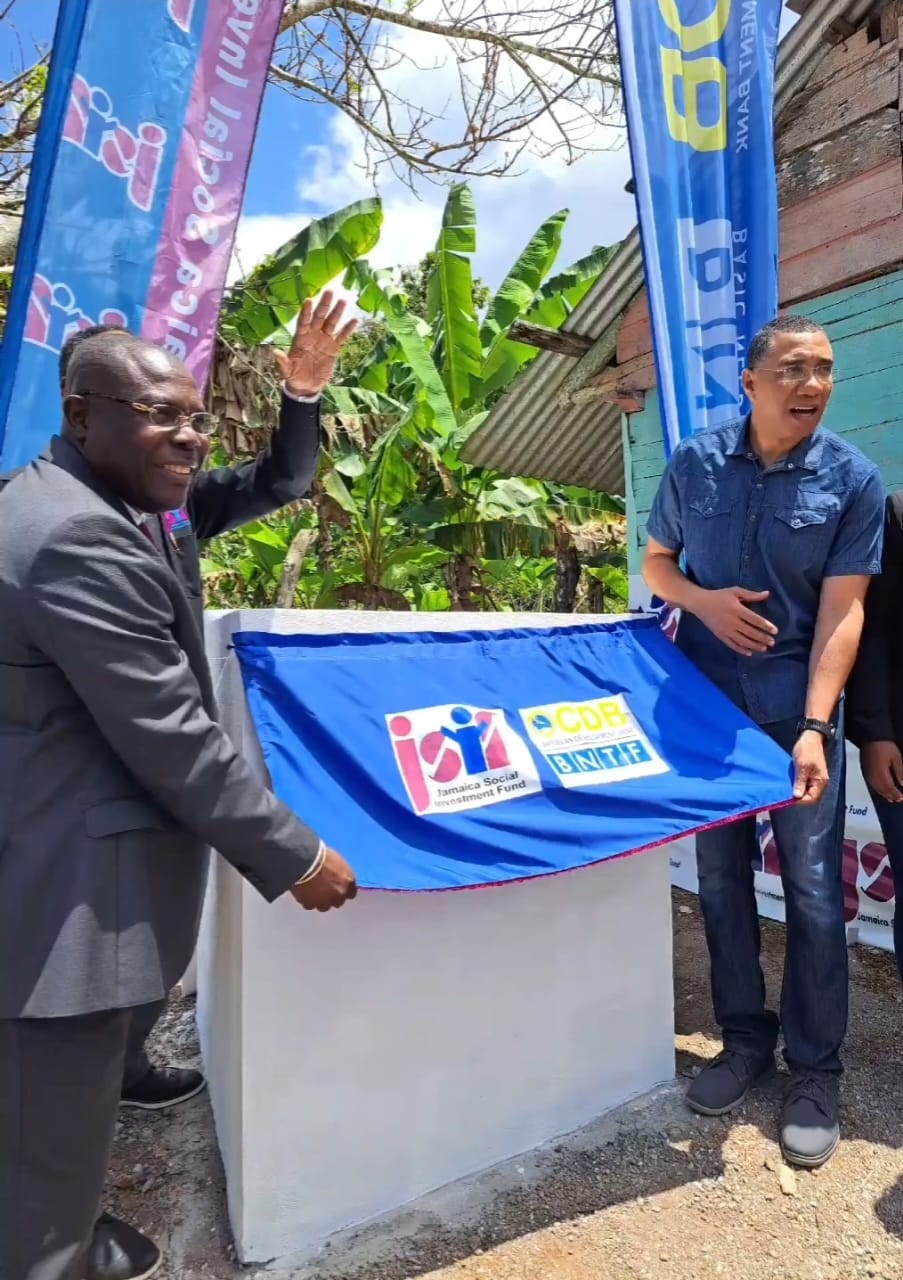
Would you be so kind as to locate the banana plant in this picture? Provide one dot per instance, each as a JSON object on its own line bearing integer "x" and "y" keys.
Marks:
{"x": 457, "y": 346}
{"x": 478, "y": 516}
{"x": 260, "y": 308}
{"x": 550, "y": 305}
{"x": 372, "y": 499}
{"x": 398, "y": 509}
{"x": 424, "y": 388}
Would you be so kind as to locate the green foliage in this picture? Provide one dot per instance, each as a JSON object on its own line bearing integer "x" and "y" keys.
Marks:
{"x": 457, "y": 349}
{"x": 260, "y": 308}
{"x": 399, "y": 520}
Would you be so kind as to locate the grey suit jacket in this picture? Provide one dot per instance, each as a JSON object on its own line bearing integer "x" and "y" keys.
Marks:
{"x": 114, "y": 776}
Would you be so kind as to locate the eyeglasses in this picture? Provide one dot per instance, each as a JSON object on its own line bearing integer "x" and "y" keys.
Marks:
{"x": 164, "y": 416}
{"x": 794, "y": 374}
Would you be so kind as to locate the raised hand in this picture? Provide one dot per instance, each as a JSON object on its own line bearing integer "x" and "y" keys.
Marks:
{"x": 310, "y": 363}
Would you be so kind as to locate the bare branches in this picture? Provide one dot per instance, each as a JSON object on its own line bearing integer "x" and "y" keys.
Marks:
{"x": 436, "y": 87}
{"x": 20, "y": 109}
{"x": 457, "y": 86}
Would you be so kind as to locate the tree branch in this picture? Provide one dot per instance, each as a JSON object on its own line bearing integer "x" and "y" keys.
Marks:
{"x": 580, "y": 66}
{"x": 543, "y": 79}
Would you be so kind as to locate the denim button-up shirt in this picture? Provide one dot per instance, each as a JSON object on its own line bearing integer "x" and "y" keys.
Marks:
{"x": 818, "y": 513}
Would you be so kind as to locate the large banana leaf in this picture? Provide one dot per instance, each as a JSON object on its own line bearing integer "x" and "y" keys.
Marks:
{"x": 503, "y": 364}
{"x": 517, "y": 292}
{"x": 450, "y": 302}
{"x": 559, "y": 296}
{"x": 378, "y": 294}
{"x": 556, "y": 299}
{"x": 390, "y": 480}
{"x": 580, "y": 506}
{"x": 356, "y": 399}
{"x": 337, "y": 489}
{"x": 271, "y": 296}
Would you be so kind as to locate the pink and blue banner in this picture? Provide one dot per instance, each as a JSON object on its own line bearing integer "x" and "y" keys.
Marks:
{"x": 136, "y": 186}
{"x": 449, "y": 760}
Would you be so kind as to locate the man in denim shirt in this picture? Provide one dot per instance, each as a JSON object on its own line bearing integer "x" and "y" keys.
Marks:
{"x": 780, "y": 524}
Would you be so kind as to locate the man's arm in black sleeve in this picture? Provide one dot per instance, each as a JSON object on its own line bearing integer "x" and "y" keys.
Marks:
{"x": 227, "y": 497}
{"x": 868, "y": 700}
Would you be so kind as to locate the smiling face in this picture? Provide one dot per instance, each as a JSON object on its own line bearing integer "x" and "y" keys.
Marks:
{"x": 151, "y": 468}
{"x": 790, "y": 387}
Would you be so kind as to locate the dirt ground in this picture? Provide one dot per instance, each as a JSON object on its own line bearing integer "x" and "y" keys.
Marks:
{"x": 654, "y": 1194}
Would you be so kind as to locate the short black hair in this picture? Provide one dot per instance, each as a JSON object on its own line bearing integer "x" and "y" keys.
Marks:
{"x": 761, "y": 343}
{"x": 74, "y": 341}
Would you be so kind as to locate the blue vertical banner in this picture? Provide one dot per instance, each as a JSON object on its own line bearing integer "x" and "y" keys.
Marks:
{"x": 698, "y": 79}
{"x": 135, "y": 190}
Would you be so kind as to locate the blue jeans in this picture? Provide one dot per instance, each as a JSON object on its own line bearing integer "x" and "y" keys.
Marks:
{"x": 809, "y": 840}
{"x": 890, "y": 818}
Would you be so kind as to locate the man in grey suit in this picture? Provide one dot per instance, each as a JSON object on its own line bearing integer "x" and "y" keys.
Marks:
{"x": 114, "y": 780}
{"x": 222, "y": 499}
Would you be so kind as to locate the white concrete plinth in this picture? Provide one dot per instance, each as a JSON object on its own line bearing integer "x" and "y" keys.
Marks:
{"x": 361, "y": 1059}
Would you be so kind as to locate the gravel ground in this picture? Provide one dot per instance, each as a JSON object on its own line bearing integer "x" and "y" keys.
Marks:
{"x": 652, "y": 1194}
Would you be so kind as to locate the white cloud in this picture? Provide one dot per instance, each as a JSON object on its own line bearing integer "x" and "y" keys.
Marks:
{"x": 508, "y": 209}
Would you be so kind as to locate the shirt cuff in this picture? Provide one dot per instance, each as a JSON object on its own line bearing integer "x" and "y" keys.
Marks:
{"x": 662, "y": 538}
{"x": 299, "y": 399}
{"x": 864, "y": 568}
{"x": 315, "y": 868}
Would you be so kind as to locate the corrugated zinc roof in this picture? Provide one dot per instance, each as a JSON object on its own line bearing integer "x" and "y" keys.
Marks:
{"x": 531, "y": 432}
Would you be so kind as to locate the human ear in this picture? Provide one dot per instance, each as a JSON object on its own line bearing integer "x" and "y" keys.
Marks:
{"x": 75, "y": 416}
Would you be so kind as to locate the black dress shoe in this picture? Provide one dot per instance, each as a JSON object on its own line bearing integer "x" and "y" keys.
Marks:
{"x": 119, "y": 1252}
{"x": 163, "y": 1087}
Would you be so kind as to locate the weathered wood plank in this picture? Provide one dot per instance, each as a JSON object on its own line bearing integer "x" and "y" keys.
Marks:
{"x": 838, "y": 213}
{"x": 855, "y": 258}
{"x": 634, "y": 334}
{"x": 889, "y": 21}
{"x": 865, "y": 145}
{"x": 843, "y": 58}
{"x": 841, "y": 102}
{"x": 559, "y": 341}
{"x": 853, "y": 310}
{"x": 627, "y": 378}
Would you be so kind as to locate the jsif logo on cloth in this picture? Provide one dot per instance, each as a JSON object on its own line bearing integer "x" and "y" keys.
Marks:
{"x": 457, "y": 757}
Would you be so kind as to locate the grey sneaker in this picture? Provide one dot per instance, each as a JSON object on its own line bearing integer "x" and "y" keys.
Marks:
{"x": 810, "y": 1125}
{"x": 725, "y": 1082}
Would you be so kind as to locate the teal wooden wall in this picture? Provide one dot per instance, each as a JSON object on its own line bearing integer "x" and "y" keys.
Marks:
{"x": 865, "y": 324}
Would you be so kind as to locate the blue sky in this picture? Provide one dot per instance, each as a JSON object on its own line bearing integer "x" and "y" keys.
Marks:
{"x": 307, "y": 160}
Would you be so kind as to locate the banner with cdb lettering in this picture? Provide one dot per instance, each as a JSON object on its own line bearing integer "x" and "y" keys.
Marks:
{"x": 442, "y": 760}
{"x": 135, "y": 189}
{"x": 698, "y": 79}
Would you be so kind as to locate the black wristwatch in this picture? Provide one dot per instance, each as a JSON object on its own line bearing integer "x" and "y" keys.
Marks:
{"x": 827, "y": 731}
